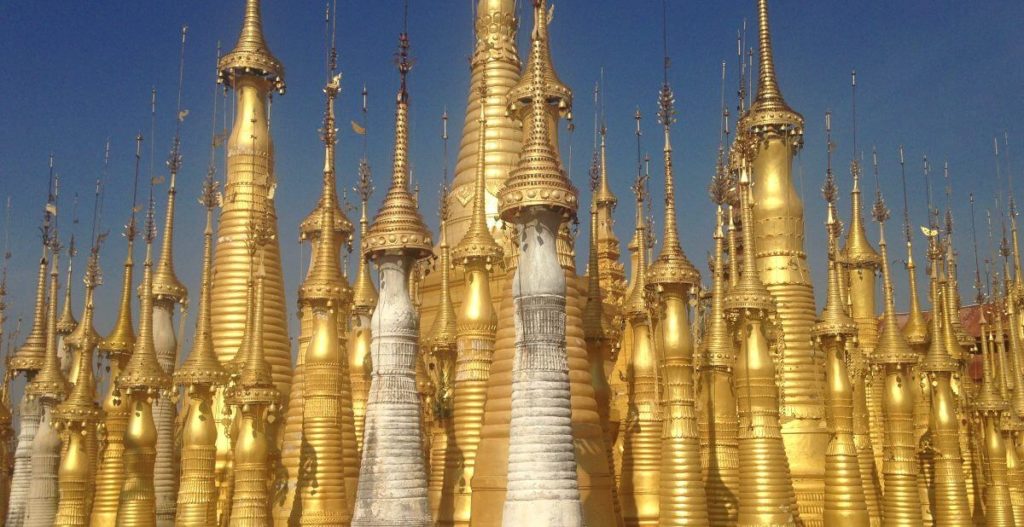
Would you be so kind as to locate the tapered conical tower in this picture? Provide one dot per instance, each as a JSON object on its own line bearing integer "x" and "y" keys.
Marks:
{"x": 256, "y": 400}
{"x": 364, "y": 301}
{"x": 321, "y": 497}
{"x": 950, "y": 503}
{"x": 117, "y": 346}
{"x": 862, "y": 263}
{"x": 141, "y": 383}
{"x": 902, "y": 503}
{"x": 844, "y": 493}
{"x": 199, "y": 376}
{"x": 168, "y": 294}
{"x": 78, "y": 417}
{"x": 392, "y": 478}
{"x": 253, "y": 72}
{"x": 672, "y": 279}
{"x": 539, "y": 197}
{"x": 778, "y": 227}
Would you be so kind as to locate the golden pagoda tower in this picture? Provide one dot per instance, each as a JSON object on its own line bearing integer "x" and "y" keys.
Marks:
{"x": 641, "y": 436}
{"x": 252, "y": 71}
{"x": 862, "y": 264}
{"x": 445, "y": 457}
{"x": 310, "y": 230}
{"x": 169, "y": 293}
{"x": 393, "y": 479}
{"x": 778, "y": 224}
{"x": 28, "y": 359}
{"x": 673, "y": 278}
{"x": 539, "y": 197}
{"x": 916, "y": 331}
{"x": 199, "y": 376}
{"x": 140, "y": 385}
{"x": 958, "y": 343}
{"x": 49, "y": 387}
{"x": 902, "y": 503}
{"x": 321, "y": 498}
{"x": 992, "y": 407}
{"x": 478, "y": 254}
{"x": 78, "y": 416}
{"x": 494, "y": 65}
{"x": 256, "y": 400}
{"x": 950, "y": 506}
{"x": 364, "y": 301}
{"x": 117, "y": 346}
{"x": 844, "y": 492}
{"x": 722, "y": 471}
{"x": 766, "y": 496}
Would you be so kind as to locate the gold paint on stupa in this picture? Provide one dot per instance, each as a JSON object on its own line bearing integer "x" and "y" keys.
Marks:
{"x": 534, "y": 397}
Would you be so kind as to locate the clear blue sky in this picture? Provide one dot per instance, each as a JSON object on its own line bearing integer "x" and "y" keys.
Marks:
{"x": 940, "y": 77}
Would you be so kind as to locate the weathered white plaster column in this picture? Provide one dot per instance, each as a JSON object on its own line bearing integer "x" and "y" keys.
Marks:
{"x": 392, "y": 489}
{"x": 543, "y": 489}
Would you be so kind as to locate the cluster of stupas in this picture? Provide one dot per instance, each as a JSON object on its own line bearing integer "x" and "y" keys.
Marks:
{"x": 506, "y": 388}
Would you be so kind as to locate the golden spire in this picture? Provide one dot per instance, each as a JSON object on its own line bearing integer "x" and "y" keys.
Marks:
{"x": 672, "y": 266}
{"x": 635, "y": 304}
{"x": 165, "y": 283}
{"x": 311, "y": 226}
{"x": 769, "y": 109}
{"x": 255, "y": 378}
{"x": 202, "y": 366}
{"x": 251, "y": 54}
{"x": 324, "y": 283}
{"x": 234, "y": 366}
{"x": 593, "y": 314}
{"x": 720, "y": 350}
{"x": 49, "y": 383}
{"x": 538, "y": 179}
{"x": 80, "y": 405}
{"x": 31, "y": 355}
{"x": 121, "y": 340}
{"x": 893, "y": 347}
{"x": 916, "y": 328}
{"x": 364, "y": 292}
{"x": 834, "y": 322}
{"x": 938, "y": 359}
{"x": 67, "y": 323}
{"x": 858, "y": 251}
{"x": 443, "y": 333}
{"x": 604, "y": 194}
{"x": 143, "y": 372}
{"x": 478, "y": 241}
{"x": 398, "y": 225}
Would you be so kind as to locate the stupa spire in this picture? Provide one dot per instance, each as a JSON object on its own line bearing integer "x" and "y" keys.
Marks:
{"x": 120, "y": 342}
{"x": 166, "y": 284}
{"x": 30, "y": 356}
